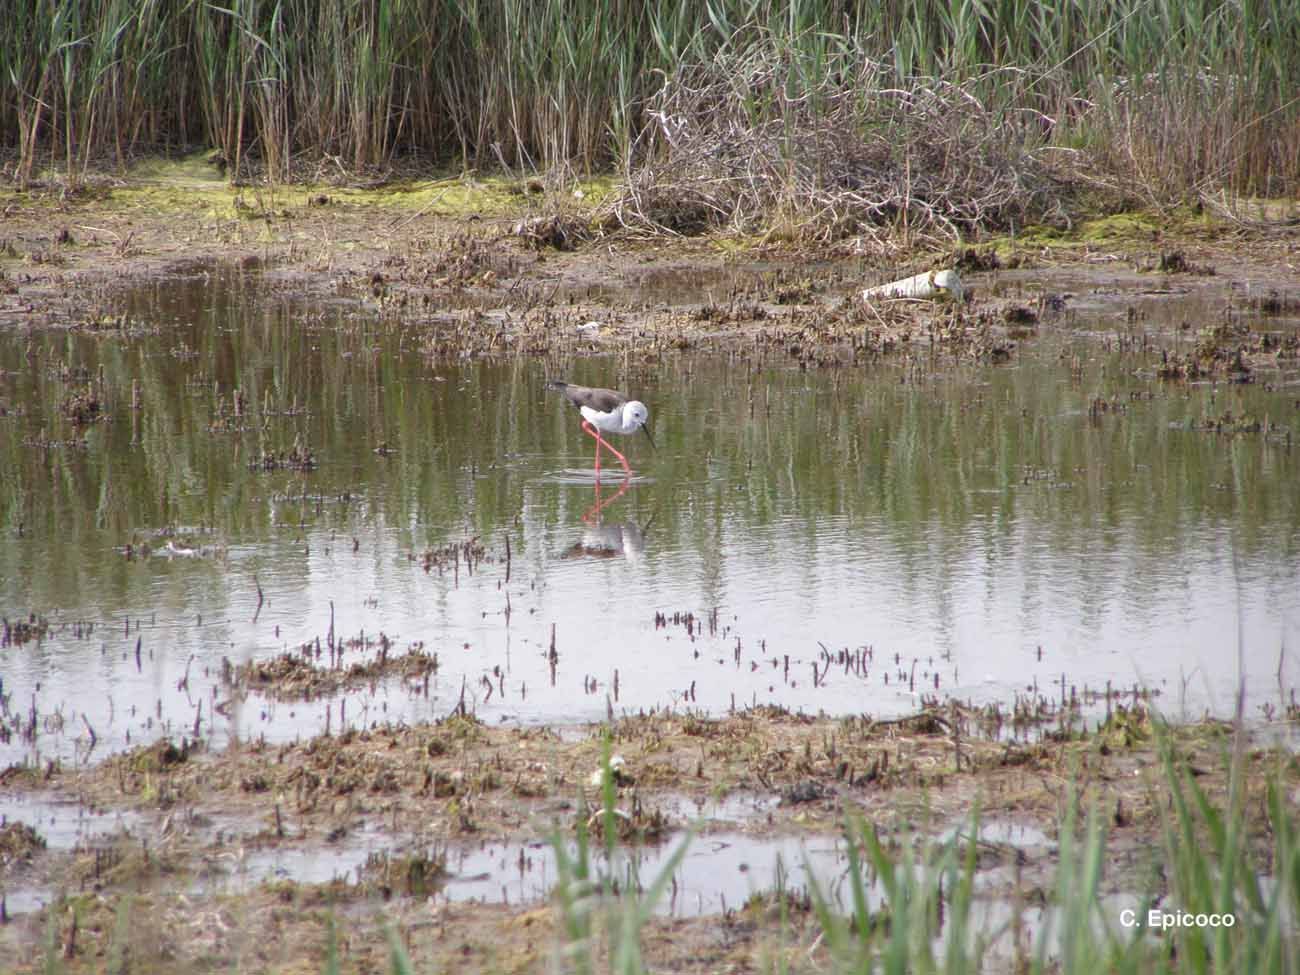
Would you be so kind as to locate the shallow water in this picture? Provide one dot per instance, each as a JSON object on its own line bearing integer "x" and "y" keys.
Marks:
{"x": 718, "y": 873}
{"x": 64, "y": 825}
{"x": 846, "y": 540}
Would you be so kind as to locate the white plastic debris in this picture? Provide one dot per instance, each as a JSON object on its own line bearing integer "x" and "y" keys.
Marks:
{"x": 930, "y": 284}
{"x": 616, "y": 766}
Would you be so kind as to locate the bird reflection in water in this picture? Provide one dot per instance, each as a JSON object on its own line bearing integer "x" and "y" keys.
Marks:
{"x": 606, "y": 541}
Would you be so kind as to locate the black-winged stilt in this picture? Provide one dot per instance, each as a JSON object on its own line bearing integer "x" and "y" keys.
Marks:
{"x": 607, "y": 410}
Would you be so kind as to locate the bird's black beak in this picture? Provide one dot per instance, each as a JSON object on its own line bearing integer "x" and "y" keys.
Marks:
{"x": 646, "y": 430}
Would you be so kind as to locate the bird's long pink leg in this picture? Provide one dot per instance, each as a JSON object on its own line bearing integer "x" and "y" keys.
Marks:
{"x": 602, "y": 442}
{"x": 592, "y": 430}
{"x": 608, "y": 446}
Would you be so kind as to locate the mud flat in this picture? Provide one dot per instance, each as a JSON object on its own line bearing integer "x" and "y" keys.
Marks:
{"x": 442, "y": 834}
{"x": 485, "y": 267}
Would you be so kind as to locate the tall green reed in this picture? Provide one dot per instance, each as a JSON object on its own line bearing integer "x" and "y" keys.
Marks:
{"x": 1189, "y": 97}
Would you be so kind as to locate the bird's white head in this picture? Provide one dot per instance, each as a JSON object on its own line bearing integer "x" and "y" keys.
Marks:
{"x": 634, "y": 414}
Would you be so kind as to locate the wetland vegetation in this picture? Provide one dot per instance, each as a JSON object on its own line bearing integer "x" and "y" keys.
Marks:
{"x": 821, "y": 116}
{"x": 934, "y": 636}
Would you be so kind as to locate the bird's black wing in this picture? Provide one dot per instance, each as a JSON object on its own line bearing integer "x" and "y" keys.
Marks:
{"x": 601, "y": 400}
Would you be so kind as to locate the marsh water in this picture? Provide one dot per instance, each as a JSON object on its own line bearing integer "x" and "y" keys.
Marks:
{"x": 845, "y": 540}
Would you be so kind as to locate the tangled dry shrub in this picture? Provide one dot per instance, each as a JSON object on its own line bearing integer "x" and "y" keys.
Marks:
{"x": 747, "y": 142}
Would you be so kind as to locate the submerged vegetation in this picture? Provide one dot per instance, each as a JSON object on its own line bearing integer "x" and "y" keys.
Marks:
{"x": 927, "y": 115}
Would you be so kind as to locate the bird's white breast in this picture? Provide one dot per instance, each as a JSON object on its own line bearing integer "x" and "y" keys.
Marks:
{"x": 611, "y": 422}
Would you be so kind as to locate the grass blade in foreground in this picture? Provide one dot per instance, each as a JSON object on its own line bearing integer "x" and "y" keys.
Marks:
{"x": 580, "y": 894}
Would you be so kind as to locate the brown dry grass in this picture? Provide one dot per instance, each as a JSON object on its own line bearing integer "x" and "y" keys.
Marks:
{"x": 928, "y": 164}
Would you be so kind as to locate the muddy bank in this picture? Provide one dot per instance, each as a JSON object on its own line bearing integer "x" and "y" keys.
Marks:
{"x": 492, "y": 268}
{"x": 255, "y": 854}
{"x": 202, "y": 840}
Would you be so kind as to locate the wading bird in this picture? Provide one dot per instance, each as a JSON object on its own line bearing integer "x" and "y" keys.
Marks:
{"x": 604, "y": 409}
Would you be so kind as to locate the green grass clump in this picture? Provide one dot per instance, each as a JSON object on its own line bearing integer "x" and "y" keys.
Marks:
{"x": 917, "y": 913}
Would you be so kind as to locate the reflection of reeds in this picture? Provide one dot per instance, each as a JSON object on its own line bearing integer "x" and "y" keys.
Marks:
{"x": 1182, "y": 97}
